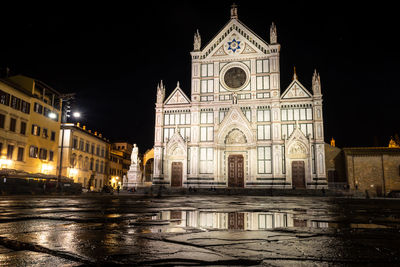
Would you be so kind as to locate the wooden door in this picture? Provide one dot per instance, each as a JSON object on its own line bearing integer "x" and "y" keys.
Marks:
{"x": 299, "y": 223}
{"x": 378, "y": 189}
{"x": 298, "y": 174}
{"x": 176, "y": 215}
{"x": 176, "y": 174}
{"x": 236, "y": 221}
{"x": 235, "y": 171}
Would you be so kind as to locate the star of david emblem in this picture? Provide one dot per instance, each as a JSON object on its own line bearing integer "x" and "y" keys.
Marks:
{"x": 234, "y": 45}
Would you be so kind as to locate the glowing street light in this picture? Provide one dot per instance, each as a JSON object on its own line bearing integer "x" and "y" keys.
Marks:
{"x": 73, "y": 172}
{"x": 76, "y": 114}
{"x": 5, "y": 163}
{"x": 46, "y": 168}
{"x": 52, "y": 115}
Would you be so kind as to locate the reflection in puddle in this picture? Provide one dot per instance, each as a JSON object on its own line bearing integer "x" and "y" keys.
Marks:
{"x": 177, "y": 221}
{"x": 181, "y": 221}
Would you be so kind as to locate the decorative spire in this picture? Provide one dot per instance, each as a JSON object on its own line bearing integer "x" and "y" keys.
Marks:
{"x": 160, "y": 92}
{"x": 273, "y": 37}
{"x": 197, "y": 41}
{"x": 234, "y": 14}
{"x": 393, "y": 143}
{"x": 177, "y": 84}
{"x": 333, "y": 143}
{"x": 294, "y": 73}
{"x": 316, "y": 83}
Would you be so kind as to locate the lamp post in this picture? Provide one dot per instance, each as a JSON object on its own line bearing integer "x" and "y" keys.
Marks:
{"x": 66, "y": 109}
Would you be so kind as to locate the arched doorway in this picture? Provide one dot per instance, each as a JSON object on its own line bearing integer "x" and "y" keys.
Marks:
{"x": 235, "y": 138}
{"x": 148, "y": 167}
{"x": 298, "y": 157}
{"x": 148, "y": 170}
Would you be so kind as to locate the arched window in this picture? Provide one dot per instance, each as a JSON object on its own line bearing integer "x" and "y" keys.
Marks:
{"x": 80, "y": 162}
{"x": 86, "y": 164}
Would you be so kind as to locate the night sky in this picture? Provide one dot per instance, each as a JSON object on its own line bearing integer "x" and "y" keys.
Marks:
{"x": 114, "y": 56}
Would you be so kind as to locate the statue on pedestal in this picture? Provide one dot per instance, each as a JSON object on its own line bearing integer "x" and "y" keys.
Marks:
{"x": 134, "y": 155}
{"x": 134, "y": 174}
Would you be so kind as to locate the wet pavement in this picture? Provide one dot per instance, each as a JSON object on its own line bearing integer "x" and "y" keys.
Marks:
{"x": 198, "y": 230}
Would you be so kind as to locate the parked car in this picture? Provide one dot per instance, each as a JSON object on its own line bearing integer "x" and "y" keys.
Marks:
{"x": 394, "y": 194}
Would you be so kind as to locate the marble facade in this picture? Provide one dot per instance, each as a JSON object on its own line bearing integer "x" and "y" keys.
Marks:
{"x": 237, "y": 129}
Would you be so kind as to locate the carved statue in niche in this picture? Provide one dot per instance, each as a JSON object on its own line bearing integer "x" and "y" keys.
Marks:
{"x": 297, "y": 148}
{"x": 235, "y": 137}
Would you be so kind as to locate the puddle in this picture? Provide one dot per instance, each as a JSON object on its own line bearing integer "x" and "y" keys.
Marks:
{"x": 181, "y": 221}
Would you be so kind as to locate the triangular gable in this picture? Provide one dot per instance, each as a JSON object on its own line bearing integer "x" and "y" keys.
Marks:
{"x": 176, "y": 138}
{"x": 176, "y": 145}
{"x": 228, "y": 38}
{"x": 296, "y": 90}
{"x": 235, "y": 119}
{"x": 177, "y": 97}
{"x": 297, "y": 142}
{"x": 297, "y": 134}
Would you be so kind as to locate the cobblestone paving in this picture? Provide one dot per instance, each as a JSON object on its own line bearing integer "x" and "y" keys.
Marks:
{"x": 198, "y": 230}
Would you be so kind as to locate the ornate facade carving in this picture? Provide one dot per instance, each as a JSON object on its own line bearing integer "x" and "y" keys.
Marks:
{"x": 297, "y": 148}
{"x": 235, "y": 137}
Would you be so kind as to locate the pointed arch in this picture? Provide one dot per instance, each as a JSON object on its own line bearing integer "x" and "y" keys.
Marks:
{"x": 235, "y": 136}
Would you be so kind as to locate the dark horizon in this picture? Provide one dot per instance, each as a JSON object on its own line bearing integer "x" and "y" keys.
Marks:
{"x": 113, "y": 58}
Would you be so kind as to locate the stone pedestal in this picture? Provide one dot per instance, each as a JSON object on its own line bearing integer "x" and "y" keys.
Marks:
{"x": 134, "y": 176}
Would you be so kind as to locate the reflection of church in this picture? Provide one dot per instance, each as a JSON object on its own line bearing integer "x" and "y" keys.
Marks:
{"x": 238, "y": 129}
{"x": 234, "y": 220}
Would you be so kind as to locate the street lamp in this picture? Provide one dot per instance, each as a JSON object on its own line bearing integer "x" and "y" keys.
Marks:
{"x": 5, "y": 163}
{"x": 46, "y": 168}
{"x": 73, "y": 172}
{"x": 52, "y": 115}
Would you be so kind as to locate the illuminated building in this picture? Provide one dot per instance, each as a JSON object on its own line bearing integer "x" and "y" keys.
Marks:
{"x": 29, "y": 125}
{"x": 238, "y": 128}
{"x": 120, "y": 160}
{"x": 85, "y": 156}
{"x": 372, "y": 169}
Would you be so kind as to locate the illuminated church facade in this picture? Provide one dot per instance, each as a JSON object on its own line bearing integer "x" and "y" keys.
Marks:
{"x": 237, "y": 129}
